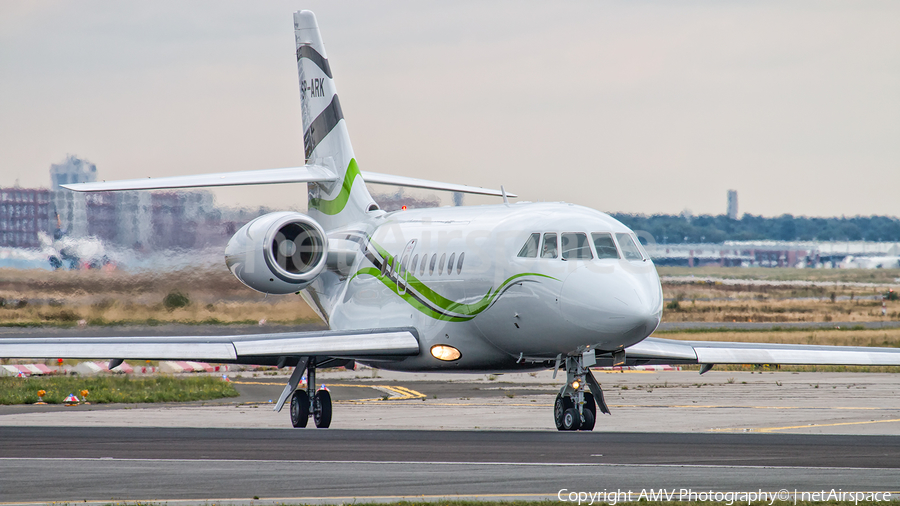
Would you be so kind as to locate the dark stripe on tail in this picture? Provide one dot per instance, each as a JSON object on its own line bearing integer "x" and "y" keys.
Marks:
{"x": 314, "y": 56}
{"x": 322, "y": 125}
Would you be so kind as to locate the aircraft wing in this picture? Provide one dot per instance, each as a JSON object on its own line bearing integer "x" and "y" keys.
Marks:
{"x": 372, "y": 343}
{"x": 654, "y": 350}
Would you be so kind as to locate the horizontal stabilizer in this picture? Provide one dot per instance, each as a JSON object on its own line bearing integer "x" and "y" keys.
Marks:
{"x": 668, "y": 351}
{"x": 411, "y": 182}
{"x": 330, "y": 343}
{"x": 304, "y": 174}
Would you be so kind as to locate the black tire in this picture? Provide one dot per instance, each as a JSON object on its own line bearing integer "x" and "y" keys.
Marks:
{"x": 299, "y": 409}
{"x": 589, "y": 406}
{"x": 571, "y": 420}
{"x": 322, "y": 414}
{"x": 588, "y": 420}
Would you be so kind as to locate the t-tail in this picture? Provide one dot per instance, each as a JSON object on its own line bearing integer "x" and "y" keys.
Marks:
{"x": 325, "y": 138}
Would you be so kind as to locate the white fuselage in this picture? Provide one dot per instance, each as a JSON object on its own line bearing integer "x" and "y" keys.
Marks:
{"x": 504, "y": 306}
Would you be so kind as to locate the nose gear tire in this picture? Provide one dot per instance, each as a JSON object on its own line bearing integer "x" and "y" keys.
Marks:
{"x": 560, "y": 407}
{"x": 571, "y": 419}
{"x": 588, "y": 422}
{"x": 589, "y": 410}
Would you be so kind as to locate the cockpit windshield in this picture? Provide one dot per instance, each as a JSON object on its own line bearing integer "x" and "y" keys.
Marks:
{"x": 629, "y": 250}
{"x": 603, "y": 243}
{"x": 550, "y": 249}
{"x": 530, "y": 248}
{"x": 576, "y": 246}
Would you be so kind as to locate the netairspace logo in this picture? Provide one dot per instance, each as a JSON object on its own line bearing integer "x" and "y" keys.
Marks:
{"x": 612, "y": 497}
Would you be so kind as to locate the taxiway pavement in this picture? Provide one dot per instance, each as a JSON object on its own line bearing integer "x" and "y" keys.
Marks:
{"x": 234, "y": 465}
{"x": 416, "y": 435}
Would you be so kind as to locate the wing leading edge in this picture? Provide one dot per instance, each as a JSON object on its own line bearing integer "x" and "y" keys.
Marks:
{"x": 667, "y": 351}
{"x": 342, "y": 344}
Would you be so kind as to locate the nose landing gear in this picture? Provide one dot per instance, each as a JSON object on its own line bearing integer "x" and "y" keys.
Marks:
{"x": 574, "y": 408}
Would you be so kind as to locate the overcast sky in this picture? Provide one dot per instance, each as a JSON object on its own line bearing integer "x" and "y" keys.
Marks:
{"x": 648, "y": 107}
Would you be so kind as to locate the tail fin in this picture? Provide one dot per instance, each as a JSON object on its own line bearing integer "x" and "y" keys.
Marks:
{"x": 325, "y": 137}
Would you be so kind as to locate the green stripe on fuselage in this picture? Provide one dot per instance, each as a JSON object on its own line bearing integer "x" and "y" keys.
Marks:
{"x": 463, "y": 312}
{"x": 336, "y": 205}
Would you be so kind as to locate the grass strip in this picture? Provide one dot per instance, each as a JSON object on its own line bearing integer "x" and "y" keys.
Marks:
{"x": 118, "y": 389}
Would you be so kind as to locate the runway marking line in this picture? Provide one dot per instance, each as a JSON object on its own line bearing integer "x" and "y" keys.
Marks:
{"x": 773, "y": 429}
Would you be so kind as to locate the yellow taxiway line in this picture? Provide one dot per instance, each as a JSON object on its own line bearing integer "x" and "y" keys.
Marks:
{"x": 394, "y": 393}
{"x": 807, "y": 426}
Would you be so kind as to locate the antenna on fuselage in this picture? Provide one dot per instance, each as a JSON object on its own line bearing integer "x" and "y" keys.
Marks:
{"x": 505, "y": 199}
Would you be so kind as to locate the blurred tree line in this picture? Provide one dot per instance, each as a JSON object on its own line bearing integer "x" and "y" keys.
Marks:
{"x": 668, "y": 229}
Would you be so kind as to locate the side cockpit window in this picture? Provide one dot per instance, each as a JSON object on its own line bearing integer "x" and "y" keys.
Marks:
{"x": 629, "y": 250}
{"x": 549, "y": 249}
{"x": 575, "y": 246}
{"x": 530, "y": 248}
{"x": 604, "y": 245}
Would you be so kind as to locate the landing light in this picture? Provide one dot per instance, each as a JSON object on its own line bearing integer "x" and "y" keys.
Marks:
{"x": 576, "y": 384}
{"x": 445, "y": 353}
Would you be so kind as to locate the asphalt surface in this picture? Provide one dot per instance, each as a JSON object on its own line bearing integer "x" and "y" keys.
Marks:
{"x": 83, "y": 463}
{"x": 79, "y": 460}
{"x": 456, "y": 446}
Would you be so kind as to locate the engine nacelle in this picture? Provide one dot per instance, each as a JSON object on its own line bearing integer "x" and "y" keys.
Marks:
{"x": 278, "y": 253}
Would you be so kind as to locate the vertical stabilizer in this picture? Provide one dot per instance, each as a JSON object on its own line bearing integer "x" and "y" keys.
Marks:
{"x": 325, "y": 138}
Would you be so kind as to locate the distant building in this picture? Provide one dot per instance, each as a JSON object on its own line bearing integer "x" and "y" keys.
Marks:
{"x": 732, "y": 204}
{"x": 23, "y": 213}
{"x": 141, "y": 220}
{"x": 72, "y": 170}
{"x": 71, "y": 207}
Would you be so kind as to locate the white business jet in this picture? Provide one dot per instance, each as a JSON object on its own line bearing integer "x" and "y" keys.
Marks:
{"x": 507, "y": 287}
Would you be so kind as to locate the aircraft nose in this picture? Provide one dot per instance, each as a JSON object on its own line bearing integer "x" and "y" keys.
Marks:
{"x": 623, "y": 302}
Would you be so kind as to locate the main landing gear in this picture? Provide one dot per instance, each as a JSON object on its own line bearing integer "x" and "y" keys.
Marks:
{"x": 309, "y": 402}
{"x": 576, "y": 409}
